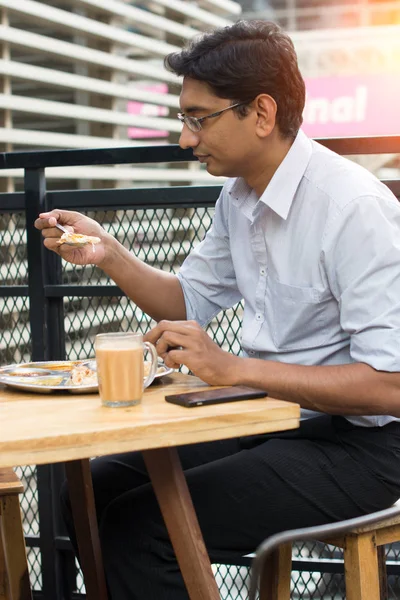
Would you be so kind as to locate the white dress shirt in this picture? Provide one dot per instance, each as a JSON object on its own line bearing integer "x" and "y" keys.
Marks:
{"x": 316, "y": 260}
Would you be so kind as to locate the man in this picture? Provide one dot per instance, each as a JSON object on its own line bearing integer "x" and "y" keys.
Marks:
{"x": 311, "y": 242}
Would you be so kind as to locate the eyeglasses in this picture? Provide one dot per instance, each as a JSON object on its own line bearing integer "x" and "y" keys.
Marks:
{"x": 194, "y": 124}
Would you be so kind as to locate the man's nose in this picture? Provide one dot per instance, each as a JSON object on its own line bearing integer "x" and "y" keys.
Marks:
{"x": 188, "y": 138}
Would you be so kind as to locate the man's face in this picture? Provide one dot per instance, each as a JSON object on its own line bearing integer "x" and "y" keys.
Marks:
{"x": 226, "y": 142}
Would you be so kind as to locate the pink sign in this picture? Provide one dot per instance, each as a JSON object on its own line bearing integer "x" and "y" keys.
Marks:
{"x": 352, "y": 106}
{"x": 148, "y": 110}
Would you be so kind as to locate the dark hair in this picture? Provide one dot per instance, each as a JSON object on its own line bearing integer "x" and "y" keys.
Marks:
{"x": 243, "y": 60}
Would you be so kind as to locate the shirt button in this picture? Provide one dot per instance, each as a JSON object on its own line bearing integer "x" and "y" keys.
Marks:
{"x": 263, "y": 271}
{"x": 259, "y": 317}
{"x": 252, "y": 352}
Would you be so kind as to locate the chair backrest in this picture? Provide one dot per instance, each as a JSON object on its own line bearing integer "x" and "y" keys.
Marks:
{"x": 320, "y": 532}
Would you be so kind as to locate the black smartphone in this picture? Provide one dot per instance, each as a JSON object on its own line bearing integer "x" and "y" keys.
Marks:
{"x": 206, "y": 397}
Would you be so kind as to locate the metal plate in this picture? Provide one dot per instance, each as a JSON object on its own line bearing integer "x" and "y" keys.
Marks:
{"x": 53, "y": 376}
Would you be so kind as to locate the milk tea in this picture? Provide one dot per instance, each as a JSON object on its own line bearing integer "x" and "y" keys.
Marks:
{"x": 120, "y": 374}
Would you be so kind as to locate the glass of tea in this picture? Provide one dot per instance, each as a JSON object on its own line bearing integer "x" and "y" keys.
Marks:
{"x": 120, "y": 367}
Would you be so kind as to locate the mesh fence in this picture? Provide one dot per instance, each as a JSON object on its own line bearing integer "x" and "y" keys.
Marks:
{"x": 162, "y": 238}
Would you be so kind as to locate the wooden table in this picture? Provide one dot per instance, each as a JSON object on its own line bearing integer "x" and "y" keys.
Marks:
{"x": 48, "y": 428}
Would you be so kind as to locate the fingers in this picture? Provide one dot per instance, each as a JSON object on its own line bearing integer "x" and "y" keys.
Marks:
{"x": 175, "y": 341}
{"x": 52, "y": 233}
{"x": 47, "y": 224}
{"x": 185, "y": 328}
{"x": 50, "y": 219}
{"x": 74, "y": 222}
{"x": 172, "y": 359}
{"x": 170, "y": 340}
{"x": 47, "y": 219}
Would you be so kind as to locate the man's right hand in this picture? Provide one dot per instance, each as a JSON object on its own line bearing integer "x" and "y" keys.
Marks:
{"x": 158, "y": 293}
{"x": 76, "y": 223}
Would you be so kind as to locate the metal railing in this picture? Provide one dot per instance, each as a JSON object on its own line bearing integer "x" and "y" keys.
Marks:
{"x": 52, "y": 310}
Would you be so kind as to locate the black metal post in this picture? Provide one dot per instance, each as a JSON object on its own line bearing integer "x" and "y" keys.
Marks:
{"x": 47, "y": 335}
{"x": 54, "y": 586}
{"x": 55, "y": 305}
{"x": 65, "y": 559}
{"x": 68, "y": 569}
{"x": 35, "y": 194}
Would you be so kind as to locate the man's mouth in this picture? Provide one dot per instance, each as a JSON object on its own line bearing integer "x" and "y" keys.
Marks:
{"x": 202, "y": 157}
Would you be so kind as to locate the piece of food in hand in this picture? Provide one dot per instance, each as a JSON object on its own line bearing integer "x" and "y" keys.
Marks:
{"x": 78, "y": 239}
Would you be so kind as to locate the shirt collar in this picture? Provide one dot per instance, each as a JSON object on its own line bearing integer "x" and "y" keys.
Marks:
{"x": 280, "y": 191}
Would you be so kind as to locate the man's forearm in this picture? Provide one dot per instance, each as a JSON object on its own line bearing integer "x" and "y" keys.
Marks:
{"x": 354, "y": 389}
{"x": 158, "y": 293}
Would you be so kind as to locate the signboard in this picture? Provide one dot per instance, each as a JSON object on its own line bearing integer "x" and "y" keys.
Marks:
{"x": 148, "y": 110}
{"x": 352, "y": 106}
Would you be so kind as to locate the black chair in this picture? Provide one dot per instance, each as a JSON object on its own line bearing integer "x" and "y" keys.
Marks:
{"x": 362, "y": 539}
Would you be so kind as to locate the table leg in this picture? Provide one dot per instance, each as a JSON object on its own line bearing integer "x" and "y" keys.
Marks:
{"x": 87, "y": 534}
{"x": 170, "y": 487}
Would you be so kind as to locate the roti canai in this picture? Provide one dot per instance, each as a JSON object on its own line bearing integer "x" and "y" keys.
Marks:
{"x": 77, "y": 239}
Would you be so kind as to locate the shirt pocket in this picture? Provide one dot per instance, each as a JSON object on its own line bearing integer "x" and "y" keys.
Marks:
{"x": 303, "y": 317}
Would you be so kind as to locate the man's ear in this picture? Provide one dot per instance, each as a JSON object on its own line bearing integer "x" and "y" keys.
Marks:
{"x": 266, "y": 108}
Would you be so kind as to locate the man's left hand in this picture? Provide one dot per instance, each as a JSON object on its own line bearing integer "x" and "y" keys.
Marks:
{"x": 186, "y": 343}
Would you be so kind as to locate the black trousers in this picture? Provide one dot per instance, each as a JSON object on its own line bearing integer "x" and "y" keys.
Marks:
{"x": 243, "y": 490}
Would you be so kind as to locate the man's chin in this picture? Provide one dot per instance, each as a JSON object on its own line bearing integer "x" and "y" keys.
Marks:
{"x": 214, "y": 169}
{"x": 218, "y": 171}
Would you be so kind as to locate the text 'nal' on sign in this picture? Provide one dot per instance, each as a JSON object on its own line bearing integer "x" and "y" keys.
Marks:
{"x": 352, "y": 106}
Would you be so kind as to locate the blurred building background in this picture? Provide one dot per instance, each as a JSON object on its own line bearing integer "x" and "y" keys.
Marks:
{"x": 89, "y": 73}
{"x": 296, "y": 15}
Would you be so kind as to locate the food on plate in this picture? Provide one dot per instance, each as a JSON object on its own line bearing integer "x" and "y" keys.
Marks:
{"x": 147, "y": 367}
{"x": 72, "y": 375}
{"x": 82, "y": 375}
{"x": 77, "y": 239}
{"x": 39, "y": 381}
{"x": 58, "y": 366}
{"x": 25, "y": 373}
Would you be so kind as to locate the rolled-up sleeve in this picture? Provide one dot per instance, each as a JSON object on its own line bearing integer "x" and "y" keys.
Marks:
{"x": 207, "y": 276}
{"x": 362, "y": 256}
